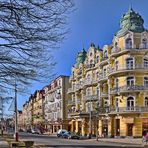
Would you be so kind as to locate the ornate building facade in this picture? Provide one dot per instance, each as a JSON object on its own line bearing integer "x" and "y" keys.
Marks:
{"x": 109, "y": 86}
{"x": 55, "y": 104}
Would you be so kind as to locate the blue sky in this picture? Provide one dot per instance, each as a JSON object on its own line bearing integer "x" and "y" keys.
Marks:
{"x": 93, "y": 21}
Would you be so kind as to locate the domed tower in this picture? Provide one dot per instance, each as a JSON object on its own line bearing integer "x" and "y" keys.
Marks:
{"x": 128, "y": 76}
{"x": 130, "y": 21}
{"x": 80, "y": 57}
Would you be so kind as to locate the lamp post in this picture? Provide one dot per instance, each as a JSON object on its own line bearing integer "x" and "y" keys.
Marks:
{"x": 90, "y": 123}
{"x": 16, "y": 121}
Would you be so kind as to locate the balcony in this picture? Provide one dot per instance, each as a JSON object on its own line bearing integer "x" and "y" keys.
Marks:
{"x": 125, "y": 89}
{"x": 117, "y": 70}
{"x": 104, "y": 94}
{"x": 72, "y": 78}
{"x": 70, "y": 90}
{"x": 143, "y": 46}
{"x": 103, "y": 77}
{"x": 92, "y": 98}
{"x": 89, "y": 66}
{"x": 133, "y": 109}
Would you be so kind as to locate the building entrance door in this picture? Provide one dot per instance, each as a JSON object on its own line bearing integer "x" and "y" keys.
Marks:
{"x": 117, "y": 127}
{"x": 129, "y": 129}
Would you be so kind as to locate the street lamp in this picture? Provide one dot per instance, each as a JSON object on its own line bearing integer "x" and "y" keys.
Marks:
{"x": 15, "y": 110}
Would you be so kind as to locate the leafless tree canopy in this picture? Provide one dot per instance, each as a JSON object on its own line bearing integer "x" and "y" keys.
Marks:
{"x": 29, "y": 29}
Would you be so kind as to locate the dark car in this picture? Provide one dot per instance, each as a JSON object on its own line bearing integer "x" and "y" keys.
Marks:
{"x": 70, "y": 135}
{"x": 61, "y": 132}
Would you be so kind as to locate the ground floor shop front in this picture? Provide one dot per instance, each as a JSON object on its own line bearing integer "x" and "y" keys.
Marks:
{"x": 134, "y": 125}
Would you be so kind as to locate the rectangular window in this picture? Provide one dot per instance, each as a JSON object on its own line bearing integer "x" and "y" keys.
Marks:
{"x": 130, "y": 81}
{"x": 146, "y": 81}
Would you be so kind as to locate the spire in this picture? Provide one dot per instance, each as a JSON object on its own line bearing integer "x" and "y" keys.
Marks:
{"x": 130, "y": 8}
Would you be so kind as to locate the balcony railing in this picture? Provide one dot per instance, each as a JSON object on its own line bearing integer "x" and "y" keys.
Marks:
{"x": 71, "y": 90}
{"x": 103, "y": 76}
{"x": 134, "y": 67}
{"x": 129, "y": 109}
{"x": 128, "y": 88}
{"x": 115, "y": 50}
{"x": 92, "y": 98}
{"x": 89, "y": 66}
{"x": 104, "y": 94}
{"x": 143, "y": 46}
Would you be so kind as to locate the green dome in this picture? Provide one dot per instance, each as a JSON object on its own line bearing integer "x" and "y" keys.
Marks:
{"x": 131, "y": 21}
{"x": 80, "y": 57}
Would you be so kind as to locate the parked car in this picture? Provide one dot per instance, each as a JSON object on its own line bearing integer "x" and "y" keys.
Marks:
{"x": 61, "y": 132}
{"x": 70, "y": 135}
{"x": 35, "y": 131}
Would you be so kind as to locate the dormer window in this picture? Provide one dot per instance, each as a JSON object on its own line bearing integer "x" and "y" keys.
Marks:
{"x": 105, "y": 54}
{"x": 128, "y": 43}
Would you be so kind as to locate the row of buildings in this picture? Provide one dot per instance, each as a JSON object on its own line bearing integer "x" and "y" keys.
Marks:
{"x": 107, "y": 91}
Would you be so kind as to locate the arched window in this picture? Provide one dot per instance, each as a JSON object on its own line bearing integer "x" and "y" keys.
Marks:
{"x": 97, "y": 59}
{"x": 97, "y": 74}
{"x": 130, "y": 81}
{"x": 146, "y": 101}
{"x": 105, "y": 54}
{"x": 88, "y": 92}
{"x": 130, "y": 103}
{"x": 129, "y": 63}
{"x": 144, "y": 43}
{"x": 97, "y": 91}
{"x": 128, "y": 43}
{"x": 117, "y": 103}
{"x": 88, "y": 77}
{"x": 145, "y": 63}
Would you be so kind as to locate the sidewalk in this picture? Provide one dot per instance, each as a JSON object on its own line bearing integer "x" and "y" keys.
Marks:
{"x": 3, "y": 143}
{"x": 128, "y": 140}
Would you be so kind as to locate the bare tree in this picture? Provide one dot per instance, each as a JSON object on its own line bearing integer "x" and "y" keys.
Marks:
{"x": 29, "y": 29}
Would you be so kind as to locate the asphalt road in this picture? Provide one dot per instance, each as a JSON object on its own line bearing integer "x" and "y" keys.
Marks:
{"x": 51, "y": 141}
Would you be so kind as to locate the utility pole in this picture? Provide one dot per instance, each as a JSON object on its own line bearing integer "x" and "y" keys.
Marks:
{"x": 15, "y": 104}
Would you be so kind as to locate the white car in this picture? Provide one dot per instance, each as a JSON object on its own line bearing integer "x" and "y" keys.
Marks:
{"x": 35, "y": 131}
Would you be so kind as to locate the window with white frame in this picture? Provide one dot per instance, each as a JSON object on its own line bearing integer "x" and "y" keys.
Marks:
{"x": 105, "y": 54}
{"x": 97, "y": 74}
{"x": 88, "y": 92}
{"x": 146, "y": 101}
{"x": 145, "y": 63}
{"x": 97, "y": 59}
{"x": 130, "y": 103}
{"x": 97, "y": 91}
{"x": 130, "y": 81}
{"x": 129, "y": 63}
{"x": 128, "y": 43}
{"x": 146, "y": 81}
{"x": 144, "y": 43}
{"x": 88, "y": 77}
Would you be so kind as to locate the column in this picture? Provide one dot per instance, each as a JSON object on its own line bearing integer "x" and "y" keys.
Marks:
{"x": 77, "y": 126}
{"x": 83, "y": 128}
{"x": 72, "y": 126}
{"x": 100, "y": 128}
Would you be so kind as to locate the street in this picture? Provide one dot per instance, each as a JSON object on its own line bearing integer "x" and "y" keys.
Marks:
{"x": 42, "y": 141}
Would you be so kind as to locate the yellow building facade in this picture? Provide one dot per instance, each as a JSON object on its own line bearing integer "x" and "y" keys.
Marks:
{"x": 109, "y": 86}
